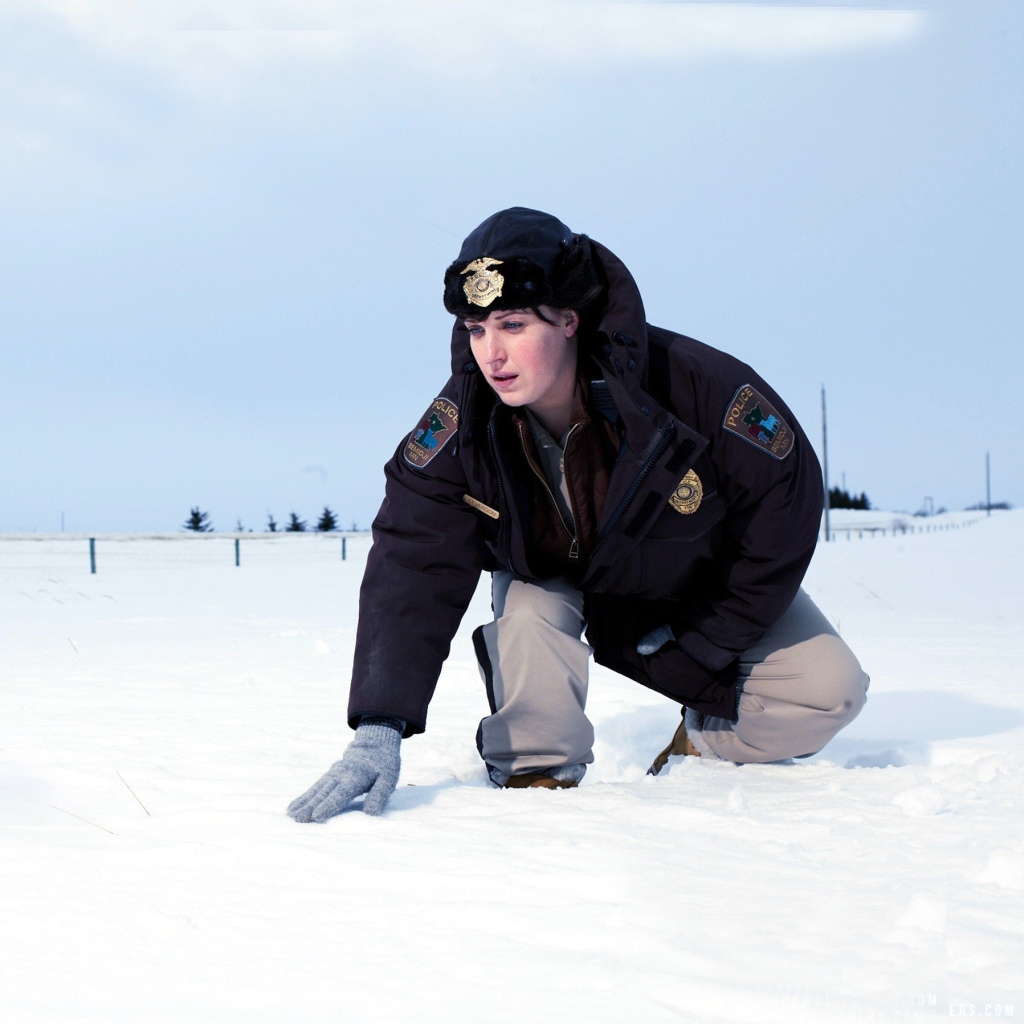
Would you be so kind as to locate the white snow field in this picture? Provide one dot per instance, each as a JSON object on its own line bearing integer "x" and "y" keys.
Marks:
{"x": 882, "y": 880}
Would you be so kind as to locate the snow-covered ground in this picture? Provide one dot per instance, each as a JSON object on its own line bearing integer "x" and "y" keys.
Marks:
{"x": 882, "y": 880}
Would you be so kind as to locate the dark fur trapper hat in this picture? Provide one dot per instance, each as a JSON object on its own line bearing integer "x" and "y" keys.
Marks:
{"x": 521, "y": 259}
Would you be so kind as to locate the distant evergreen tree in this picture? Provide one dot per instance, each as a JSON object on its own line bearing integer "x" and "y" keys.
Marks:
{"x": 295, "y": 524}
{"x": 328, "y": 521}
{"x": 838, "y": 498}
{"x": 981, "y": 506}
{"x": 271, "y": 523}
{"x": 239, "y": 528}
{"x": 198, "y": 521}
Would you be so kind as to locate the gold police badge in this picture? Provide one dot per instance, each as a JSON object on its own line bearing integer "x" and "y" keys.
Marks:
{"x": 687, "y": 496}
{"x": 484, "y": 286}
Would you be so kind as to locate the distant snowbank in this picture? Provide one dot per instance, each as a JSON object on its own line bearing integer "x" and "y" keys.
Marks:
{"x": 850, "y": 522}
{"x": 840, "y": 519}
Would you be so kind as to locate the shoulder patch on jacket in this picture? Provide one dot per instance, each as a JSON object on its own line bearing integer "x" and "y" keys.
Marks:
{"x": 751, "y": 416}
{"x": 435, "y": 430}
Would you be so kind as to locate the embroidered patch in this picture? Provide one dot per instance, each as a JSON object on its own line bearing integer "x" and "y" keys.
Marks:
{"x": 687, "y": 496}
{"x": 751, "y": 416}
{"x": 435, "y": 430}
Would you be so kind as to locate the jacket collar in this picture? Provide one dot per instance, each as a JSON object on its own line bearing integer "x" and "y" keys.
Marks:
{"x": 620, "y": 348}
{"x": 623, "y": 325}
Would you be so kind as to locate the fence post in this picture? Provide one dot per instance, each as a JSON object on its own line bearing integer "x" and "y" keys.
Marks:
{"x": 237, "y": 553}
{"x": 343, "y": 539}
{"x": 92, "y": 555}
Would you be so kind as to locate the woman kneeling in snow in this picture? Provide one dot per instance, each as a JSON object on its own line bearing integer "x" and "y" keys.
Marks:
{"x": 618, "y": 481}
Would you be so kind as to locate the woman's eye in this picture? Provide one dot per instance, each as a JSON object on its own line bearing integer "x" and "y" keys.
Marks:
{"x": 512, "y": 325}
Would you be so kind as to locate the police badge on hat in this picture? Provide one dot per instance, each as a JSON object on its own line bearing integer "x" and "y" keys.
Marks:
{"x": 484, "y": 286}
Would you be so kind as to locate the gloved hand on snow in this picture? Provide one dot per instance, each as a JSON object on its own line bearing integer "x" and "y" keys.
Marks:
{"x": 370, "y": 765}
{"x": 655, "y": 640}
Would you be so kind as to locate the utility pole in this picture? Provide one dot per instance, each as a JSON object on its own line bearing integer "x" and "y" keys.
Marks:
{"x": 824, "y": 449}
{"x": 988, "y": 488}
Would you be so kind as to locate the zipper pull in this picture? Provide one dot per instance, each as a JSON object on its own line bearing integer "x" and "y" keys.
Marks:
{"x": 574, "y": 549}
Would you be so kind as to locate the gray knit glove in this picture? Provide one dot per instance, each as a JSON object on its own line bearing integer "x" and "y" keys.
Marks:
{"x": 370, "y": 765}
{"x": 655, "y": 640}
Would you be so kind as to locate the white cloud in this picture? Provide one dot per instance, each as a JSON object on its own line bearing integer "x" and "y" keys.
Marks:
{"x": 217, "y": 51}
{"x": 83, "y": 74}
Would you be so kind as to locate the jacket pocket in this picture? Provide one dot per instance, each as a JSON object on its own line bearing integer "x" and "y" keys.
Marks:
{"x": 673, "y": 525}
{"x": 677, "y": 545}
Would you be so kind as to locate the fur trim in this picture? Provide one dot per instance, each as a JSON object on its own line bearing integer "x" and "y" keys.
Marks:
{"x": 569, "y": 280}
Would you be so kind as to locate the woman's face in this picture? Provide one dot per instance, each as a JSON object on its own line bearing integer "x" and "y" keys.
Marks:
{"x": 527, "y": 361}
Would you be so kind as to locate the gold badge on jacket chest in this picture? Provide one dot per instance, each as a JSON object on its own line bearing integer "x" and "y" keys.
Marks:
{"x": 688, "y": 494}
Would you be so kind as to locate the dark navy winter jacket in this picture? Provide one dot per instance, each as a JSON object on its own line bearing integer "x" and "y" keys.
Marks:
{"x": 720, "y": 564}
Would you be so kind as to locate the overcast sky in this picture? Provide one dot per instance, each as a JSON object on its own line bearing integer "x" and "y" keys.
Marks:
{"x": 225, "y": 226}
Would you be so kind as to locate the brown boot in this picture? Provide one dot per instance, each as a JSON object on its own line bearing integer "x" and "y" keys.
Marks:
{"x": 681, "y": 744}
{"x": 538, "y": 780}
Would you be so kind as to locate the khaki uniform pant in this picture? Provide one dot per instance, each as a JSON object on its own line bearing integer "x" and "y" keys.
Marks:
{"x": 800, "y": 684}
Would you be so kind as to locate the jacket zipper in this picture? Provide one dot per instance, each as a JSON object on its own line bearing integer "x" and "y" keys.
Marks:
{"x": 574, "y": 548}
{"x": 659, "y": 449}
{"x": 502, "y": 503}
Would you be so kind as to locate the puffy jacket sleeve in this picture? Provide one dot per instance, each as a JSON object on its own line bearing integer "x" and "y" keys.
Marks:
{"x": 422, "y": 570}
{"x": 770, "y": 527}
